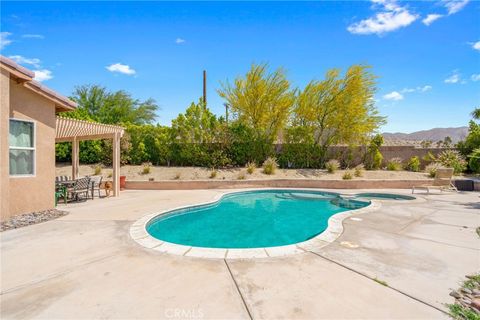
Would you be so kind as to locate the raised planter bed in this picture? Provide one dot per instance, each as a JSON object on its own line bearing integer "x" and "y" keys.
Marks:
{"x": 275, "y": 183}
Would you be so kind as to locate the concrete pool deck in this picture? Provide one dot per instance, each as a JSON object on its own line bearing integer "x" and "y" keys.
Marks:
{"x": 85, "y": 265}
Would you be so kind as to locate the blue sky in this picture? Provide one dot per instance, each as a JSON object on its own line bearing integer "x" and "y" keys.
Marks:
{"x": 426, "y": 54}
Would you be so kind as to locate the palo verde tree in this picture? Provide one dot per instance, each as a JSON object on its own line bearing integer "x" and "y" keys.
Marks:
{"x": 260, "y": 101}
{"x": 338, "y": 110}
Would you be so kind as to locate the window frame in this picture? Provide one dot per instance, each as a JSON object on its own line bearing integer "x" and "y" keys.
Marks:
{"x": 34, "y": 149}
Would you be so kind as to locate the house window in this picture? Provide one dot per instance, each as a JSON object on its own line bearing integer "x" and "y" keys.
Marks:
{"x": 22, "y": 148}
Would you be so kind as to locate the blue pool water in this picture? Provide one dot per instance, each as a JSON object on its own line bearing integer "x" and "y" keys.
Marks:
{"x": 252, "y": 219}
{"x": 383, "y": 196}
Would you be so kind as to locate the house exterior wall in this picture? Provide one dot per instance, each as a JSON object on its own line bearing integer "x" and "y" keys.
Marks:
{"x": 31, "y": 193}
{"x": 4, "y": 115}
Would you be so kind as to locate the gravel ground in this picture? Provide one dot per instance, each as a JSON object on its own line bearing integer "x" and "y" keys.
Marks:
{"x": 196, "y": 173}
{"x": 27, "y": 219}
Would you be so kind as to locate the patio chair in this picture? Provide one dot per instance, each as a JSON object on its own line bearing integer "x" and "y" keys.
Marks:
{"x": 95, "y": 182}
{"x": 81, "y": 186}
{"x": 442, "y": 181}
{"x": 60, "y": 192}
{"x": 62, "y": 178}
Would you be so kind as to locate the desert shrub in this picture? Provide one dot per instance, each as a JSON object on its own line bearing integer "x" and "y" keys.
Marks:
{"x": 177, "y": 176}
{"x": 218, "y": 159}
{"x": 373, "y": 157}
{"x": 429, "y": 158}
{"x": 472, "y": 140}
{"x": 332, "y": 165}
{"x": 394, "y": 164}
{"x": 377, "y": 160}
{"x": 97, "y": 170}
{"x": 213, "y": 174}
{"x": 452, "y": 159}
{"x": 110, "y": 175}
{"x": 251, "y": 166}
{"x": 347, "y": 175}
{"x": 474, "y": 161}
{"x": 146, "y": 167}
{"x": 241, "y": 176}
{"x": 358, "y": 171}
{"x": 270, "y": 165}
{"x": 431, "y": 169}
{"x": 413, "y": 164}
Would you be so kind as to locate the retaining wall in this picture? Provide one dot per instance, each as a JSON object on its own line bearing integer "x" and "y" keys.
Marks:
{"x": 276, "y": 183}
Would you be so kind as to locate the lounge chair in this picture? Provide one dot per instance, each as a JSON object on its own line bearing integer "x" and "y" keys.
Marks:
{"x": 442, "y": 181}
{"x": 81, "y": 186}
{"x": 95, "y": 182}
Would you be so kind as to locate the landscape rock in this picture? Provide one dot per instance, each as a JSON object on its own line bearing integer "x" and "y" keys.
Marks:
{"x": 455, "y": 294}
{"x": 31, "y": 218}
{"x": 476, "y": 304}
{"x": 466, "y": 290}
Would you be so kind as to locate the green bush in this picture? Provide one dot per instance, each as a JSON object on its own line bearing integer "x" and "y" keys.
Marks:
{"x": 251, "y": 166}
{"x": 413, "y": 164}
{"x": 431, "y": 169}
{"x": 474, "y": 161}
{"x": 358, "y": 171}
{"x": 429, "y": 157}
{"x": 147, "y": 168}
{"x": 394, "y": 164}
{"x": 241, "y": 176}
{"x": 332, "y": 165}
{"x": 270, "y": 165}
{"x": 97, "y": 170}
{"x": 213, "y": 174}
{"x": 452, "y": 159}
{"x": 347, "y": 175}
{"x": 373, "y": 157}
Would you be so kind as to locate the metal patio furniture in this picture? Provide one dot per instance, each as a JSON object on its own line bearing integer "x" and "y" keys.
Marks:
{"x": 95, "y": 182}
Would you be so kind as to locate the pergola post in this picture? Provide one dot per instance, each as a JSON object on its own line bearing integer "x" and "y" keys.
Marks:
{"x": 75, "y": 157}
{"x": 116, "y": 164}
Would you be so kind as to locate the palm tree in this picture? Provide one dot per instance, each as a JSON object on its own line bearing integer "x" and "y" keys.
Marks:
{"x": 476, "y": 114}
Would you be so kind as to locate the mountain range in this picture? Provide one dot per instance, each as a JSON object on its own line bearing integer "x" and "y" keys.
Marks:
{"x": 435, "y": 134}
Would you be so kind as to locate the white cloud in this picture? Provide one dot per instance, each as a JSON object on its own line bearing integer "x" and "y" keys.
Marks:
{"x": 454, "y": 78}
{"x": 394, "y": 95}
{"x": 476, "y": 45}
{"x": 22, "y": 60}
{"x": 420, "y": 89}
{"x": 475, "y": 77}
{"x": 179, "y": 41}
{"x": 121, "y": 68}
{"x": 390, "y": 18}
{"x": 431, "y": 18}
{"x": 33, "y": 36}
{"x": 43, "y": 75}
{"x": 4, "y": 41}
{"x": 425, "y": 88}
{"x": 454, "y": 6}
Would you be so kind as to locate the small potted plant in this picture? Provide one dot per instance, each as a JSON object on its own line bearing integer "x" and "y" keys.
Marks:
{"x": 122, "y": 182}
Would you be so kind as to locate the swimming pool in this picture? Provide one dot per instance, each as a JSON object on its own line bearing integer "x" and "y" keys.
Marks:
{"x": 252, "y": 219}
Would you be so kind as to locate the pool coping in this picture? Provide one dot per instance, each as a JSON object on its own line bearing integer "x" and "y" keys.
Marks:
{"x": 139, "y": 234}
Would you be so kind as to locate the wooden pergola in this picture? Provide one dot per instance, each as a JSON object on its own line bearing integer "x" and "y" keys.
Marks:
{"x": 74, "y": 130}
